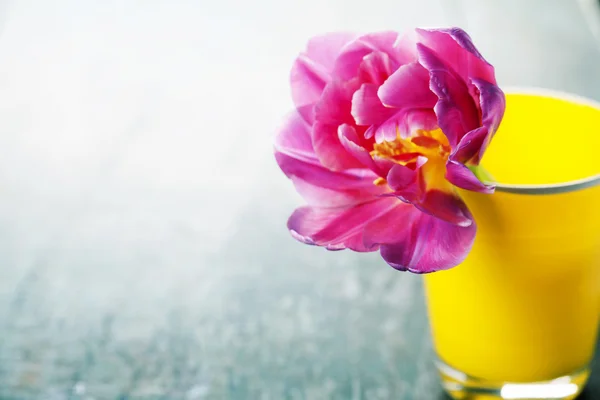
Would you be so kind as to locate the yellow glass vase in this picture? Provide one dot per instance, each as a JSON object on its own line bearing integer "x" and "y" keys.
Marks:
{"x": 518, "y": 319}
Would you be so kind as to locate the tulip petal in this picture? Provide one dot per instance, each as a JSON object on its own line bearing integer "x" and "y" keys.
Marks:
{"x": 410, "y": 240}
{"x": 324, "y": 49}
{"x": 401, "y": 177}
{"x": 461, "y": 176}
{"x": 311, "y": 71}
{"x": 470, "y": 146}
{"x": 337, "y": 228}
{"x": 392, "y": 226}
{"x": 430, "y": 245}
{"x": 334, "y": 106}
{"x": 456, "y": 110}
{"x": 351, "y": 142}
{"x": 447, "y": 206}
{"x": 294, "y": 139}
{"x": 456, "y": 48}
{"x": 307, "y": 81}
{"x": 492, "y": 103}
{"x": 322, "y": 197}
{"x": 404, "y": 182}
{"x": 351, "y": 57}
{"x": 367, "y": 108}
{"x": 315, "y": 183}
{"x": 473, "y": 145}
{"x": 429, "y": 191}
{"x": 417, "y": 119}
{"x": 408, "y": 87}
{"x": 325, "y": 188}
{"x": 383, "y": 164}
{"x": 405, "y": 47}
{"x": 333, "y": 110}
{"x": 331, "y": 152}
{"x": 356, "y": 179}
{"x": 375, "y": 68}
{"x": 403, "y": 123}
{"x": 387, "y": 131}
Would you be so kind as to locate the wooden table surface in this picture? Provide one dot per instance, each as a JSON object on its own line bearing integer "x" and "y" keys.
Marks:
{"x": 143, "y": 250}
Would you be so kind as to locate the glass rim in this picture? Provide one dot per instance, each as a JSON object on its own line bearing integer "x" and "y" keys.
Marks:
{"x": 550, "y": 188}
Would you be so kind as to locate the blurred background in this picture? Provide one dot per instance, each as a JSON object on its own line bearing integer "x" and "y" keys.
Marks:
{"x": 143, "y": 249}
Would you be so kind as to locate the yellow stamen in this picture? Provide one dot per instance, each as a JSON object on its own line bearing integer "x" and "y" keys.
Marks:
{"x": 379, "y": 181}
{"x": 431, "y": 144}
{"x": 393, "y": 150}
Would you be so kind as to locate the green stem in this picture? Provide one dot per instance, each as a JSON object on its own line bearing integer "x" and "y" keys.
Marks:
{"x": 482, "y": 174}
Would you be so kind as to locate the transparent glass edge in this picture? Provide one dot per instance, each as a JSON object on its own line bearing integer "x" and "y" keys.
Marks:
{"x": 553, "y": 188}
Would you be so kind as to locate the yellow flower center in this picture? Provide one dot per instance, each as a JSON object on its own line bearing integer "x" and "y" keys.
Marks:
{"x": 431, "y": 144}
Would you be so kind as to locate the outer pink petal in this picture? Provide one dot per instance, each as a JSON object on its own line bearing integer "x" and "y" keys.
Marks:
{"x": 461, "y": 176}
{"x": 456, "y": 110}
{"x": 307, "y": 81}
{"x": 408, "y": 87}
{"x": 456, "y": 48}
{"x": 410, "y": 240}
{"x": 492, "y": 103}
{"x": 367, "y": 108}
{"x": 312, "y": 70}
{"x": 473, "y": 145}
{"x": 349, "y": 60}
{"x": 295, "y": 164}
{"x": 324, "y": 49}
{"x": 470, "y": 146}
{"x": 294, "y": 139}
{"x": 324, "y": 188}
{"x": 331, "y": 152}
{"x": 317, "y": 184}
{"x": 406, "y": 47}
{"x": 322, "y": 197}
{"x": 447, "y": 206}
{"x": 337, "y": 228}
{"x": 410, "y": 186}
